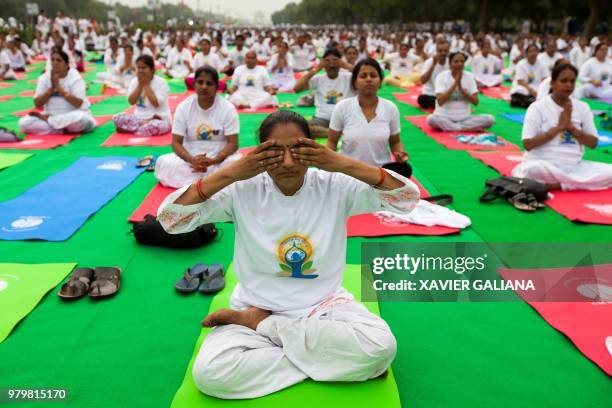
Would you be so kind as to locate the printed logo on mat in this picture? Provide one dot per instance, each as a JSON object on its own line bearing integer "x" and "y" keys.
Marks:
{"x": 4, "y": 281}
{"x": 609, "y": 344}
{"x": 603, "y": 209}
{"x": 114, "y": 165}
{"x": 599, "y": 291}
{"x": 389, "y": 221}
{"x": 29, "y": 142}
{"x": 26, "y": 223}
{"x": 514, "y": 158}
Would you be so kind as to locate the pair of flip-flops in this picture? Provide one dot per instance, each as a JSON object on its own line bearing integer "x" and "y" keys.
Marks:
{"x": 202, "y": 278}
{"x": 148, "y": 162}
{"x": 99, "y": 282}
{"x": 525, "y": 202}
{"x": 7, "y": 135}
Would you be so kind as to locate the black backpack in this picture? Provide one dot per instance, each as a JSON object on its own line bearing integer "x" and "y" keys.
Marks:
{"x": 524, "y": 194}
{"x": 150, "y": 232}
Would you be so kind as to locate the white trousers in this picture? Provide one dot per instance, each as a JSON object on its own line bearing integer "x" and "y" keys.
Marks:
{"x": 592, "y": 91}
{"x": 472, "y": 122}
{"x": 339, "y": 341}
{"x": 179, "y": 71}
{"x": 489, "y": 80}
{"x": 172, "y": 171}
{"x": 71, "y": 122}
{"x": 586, "y": 175}
{"x": 254, "y": 100}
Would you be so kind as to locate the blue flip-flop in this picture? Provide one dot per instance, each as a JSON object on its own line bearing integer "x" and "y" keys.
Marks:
{"x": 212, "y": 279}
{"x": 190, "y": 281}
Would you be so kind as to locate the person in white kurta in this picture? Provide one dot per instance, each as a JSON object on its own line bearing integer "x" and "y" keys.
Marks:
{"x": 544, "y": 87}
{"x": 369, "y": 125}
{"x": 555, "y": 132}
{"x": 111, "y": 57}
{"x": 433, "y": 67}
{"x": 251, "y": 87}
{"x": 550, "y": 56}
{"x": 328, "y": 88}
{"x": 528, "y": 75}
{"x": 280, "y": 67}
{"x": 580, "y": 53}
{"x": 403, "y": 68}
{"x": 178, "y": 64}
{"x": 61, "y": 92}
{"x": 303, "y": 54}
{"x": 487, "y": 67}
{"x": 596, "y": 74}
{"x": 204, "y": 57}
{"x": 125, "y": 68}
{"x": 204, "y": 134}
{"x": 455, "y": 91}
{"x": 149, "y": 94}
{"x": 295, "y": 321}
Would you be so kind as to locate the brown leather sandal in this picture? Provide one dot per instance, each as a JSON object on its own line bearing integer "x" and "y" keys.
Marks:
{"x": 106, "y": 282}
{"x": 77, "y": 285}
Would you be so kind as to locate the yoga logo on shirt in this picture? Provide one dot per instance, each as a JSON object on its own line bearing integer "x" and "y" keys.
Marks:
{"x": 530, "y": 78}
{"x": 140, "y": 101}
{"x": 333, "y": 97}
{"x": 485, "y": 70}
{"x": 604, "y": 76}
{"x": 567, "y": 137}
{"x": 295, "y": 253}
{"x": 26, "y": 223}
{"x": 250, "y": 81}
{"x": 205, "y": 132}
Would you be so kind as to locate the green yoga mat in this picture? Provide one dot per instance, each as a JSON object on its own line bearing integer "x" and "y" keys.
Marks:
{"x": 22, "y": 286}
{"x": 378, "y": 392}
{"x": 10, "y": 159}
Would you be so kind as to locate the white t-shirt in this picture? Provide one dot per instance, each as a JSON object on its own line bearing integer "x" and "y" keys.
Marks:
{"x": 284, "y": 72}
{"x": 144, "y": 108}
{"x": 401, "y": 66}
{"x": 541, "y": 116}
{"x": 176, "y": 58}
{"x": 73, "y": 83}
{"x": 578, "y": 57}
{"x": 250, "y": 79}
{"x": 16, "y": 60}
{"x": 289, "y": 251}
{"x": 595, "y": 69}
{"x": 456, "y": 107}
{"x": 262, "y": 50}
{"x": 328, "y": 92}
{"x": 302, "y": 56}
{"x": 237, "y": 57}
{"x": 486, "y": 66}
{"x": 429, "y": 87}
{"x": 532, "y": 74}
{"x": 211, "y": 59}
{"x": 548, "y": 61}
{"x": 205, "y": 131}
{"x": 544, "y": 89}
{"x": 363, "y": 140}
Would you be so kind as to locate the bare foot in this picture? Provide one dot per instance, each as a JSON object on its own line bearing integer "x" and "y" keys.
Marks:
{"x": 39, "y": 115}
{"x": 249, "y": 318}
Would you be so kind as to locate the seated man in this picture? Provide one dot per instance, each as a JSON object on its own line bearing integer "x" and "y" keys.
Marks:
{"x": 402, "y": 65}
{"x": 111, "y": 56}
{"x": 15, "y": 57}
{"x": 125, "y": 69}
{"x": 61, "y": 92}
{"x": 179, "y": 61}
{"x": 204, "y": 134}
{"x": 251, "y": 86}
{"x": 431, "y": 69}
{"x": 149, "y": 94}
{"x": 555, "y": 132}
{"x": 204, "y": 57}
{"x": 281, "y": 69}
{"x": 487, "y": 67}
{"x": 455, "y": 90}
{"x": 328, "y": 88}
{"x": 296, "y": 322}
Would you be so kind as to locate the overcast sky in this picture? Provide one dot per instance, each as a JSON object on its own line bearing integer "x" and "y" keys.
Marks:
{"x": 245, "y": 9}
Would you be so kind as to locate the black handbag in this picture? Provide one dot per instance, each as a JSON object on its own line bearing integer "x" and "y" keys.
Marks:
{"x": 521, "y": 192}
{"x": 150, "y": 232}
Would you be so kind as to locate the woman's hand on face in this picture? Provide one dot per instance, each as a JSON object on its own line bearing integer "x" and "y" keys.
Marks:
{"x": 263, "y": 158}
{"x": 311, "y": 153}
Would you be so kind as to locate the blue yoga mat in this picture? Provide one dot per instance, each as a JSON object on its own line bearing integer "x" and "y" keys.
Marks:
{"x": 514, "y": 117}
{"x": 605, "y": 138}
{"x": 56, "y": 208}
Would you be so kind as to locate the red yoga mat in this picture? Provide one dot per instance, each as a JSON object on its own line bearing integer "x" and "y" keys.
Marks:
{"x": 175, "y": 100}
{"x": 586, "y": 322}
{"x": 448, "y": 140}
{"x": 497, "y": 92}
{"x": 130, "y": 139}
{"x": 39, "y": 142}
{"x": 369, "y": 225}
{"x": 7, "y": 84}
{"x": 259, "y": 110}
{"x": 411, "y": 97}
{"x": 97, "y": 98}
{"x": 151, "y": 202}
{"x": 6, "y": 97}
{"x": 591, "y": 207}
{"x": 27, "y": 94}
